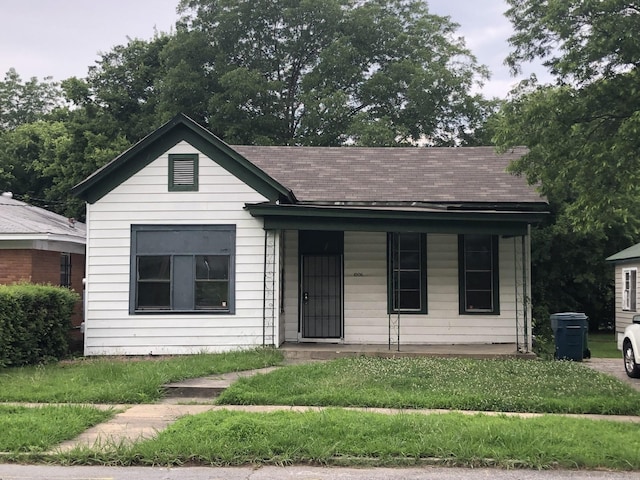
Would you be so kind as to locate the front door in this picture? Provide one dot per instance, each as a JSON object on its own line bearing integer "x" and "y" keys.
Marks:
{"x": 321, "y": 284}
{"x": 321, "y": 296}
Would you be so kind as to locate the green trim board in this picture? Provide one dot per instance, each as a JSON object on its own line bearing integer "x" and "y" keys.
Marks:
{"x": 180, "y": 128}
{"x": 302, "y": 217}
{"x": 422, "y": 240}
{"x": 495, "y": 278}
{"x": 183, "y": 172}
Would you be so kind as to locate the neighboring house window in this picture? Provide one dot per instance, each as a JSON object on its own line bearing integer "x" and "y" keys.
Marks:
{"x": 65, "y": 270}
{"x": 407, "y": 269}
{"x": 182, "y": 268}
{"x": 183, "y": 172}
{"x": 629, "y": 276}
{"x": 478, "y": 274}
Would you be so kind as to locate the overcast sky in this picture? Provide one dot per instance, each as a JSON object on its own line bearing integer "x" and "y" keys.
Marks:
{"x": 62, "y": 38}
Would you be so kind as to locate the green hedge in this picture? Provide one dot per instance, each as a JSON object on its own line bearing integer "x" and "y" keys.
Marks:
{"x": 34, "y": 323}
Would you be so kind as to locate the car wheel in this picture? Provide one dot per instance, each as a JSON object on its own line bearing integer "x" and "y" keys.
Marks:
{"x": 630, "y": 364}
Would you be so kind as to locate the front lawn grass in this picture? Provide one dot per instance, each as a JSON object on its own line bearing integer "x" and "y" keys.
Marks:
{"x": 120, "y": 380}
{"x": 603, "y": 345}
{"x": 488, "y": 385}
{"x": 37, "y": 429}
{"x": 339, "y": 437}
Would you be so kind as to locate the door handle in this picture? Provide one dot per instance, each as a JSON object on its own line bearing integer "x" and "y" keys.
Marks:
{"x": 305, "y": 297}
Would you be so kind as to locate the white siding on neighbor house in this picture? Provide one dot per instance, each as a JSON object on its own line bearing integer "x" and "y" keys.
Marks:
{"x": 291, "y": 285}
{"x": 144, "y": 199}
{"x": 366, "y": 320}
{"x": 623, "y": 318}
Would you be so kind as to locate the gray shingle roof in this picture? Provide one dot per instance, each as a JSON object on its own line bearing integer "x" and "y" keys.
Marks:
{"x": 327, "y": 174}
{"x": 19, "y": 218}
{"x": 630, "y": 253}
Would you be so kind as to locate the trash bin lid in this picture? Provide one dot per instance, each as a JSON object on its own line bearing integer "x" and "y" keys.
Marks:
{"x": 568, "y": 316}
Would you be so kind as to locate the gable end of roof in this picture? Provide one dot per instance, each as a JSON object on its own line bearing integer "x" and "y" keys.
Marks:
{"x": 180, "y": 128}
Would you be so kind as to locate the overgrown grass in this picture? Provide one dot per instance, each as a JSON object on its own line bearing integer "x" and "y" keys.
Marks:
{"x": 338, "y": 437}
{"x": 38, "y": 429}
{"x": 121, "y": 380}
{"x": 604, "y": 345}
{"x": 488, "y": 385}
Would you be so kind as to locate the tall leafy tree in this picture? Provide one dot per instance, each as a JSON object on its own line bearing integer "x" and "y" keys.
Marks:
{"x": 582, "y": 132}
{"x": 584, "y": 147}
{"x": 26, "y": 101}
{"x": 323, "y": 73}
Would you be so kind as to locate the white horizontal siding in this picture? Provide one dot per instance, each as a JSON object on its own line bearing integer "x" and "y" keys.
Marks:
{"x": 291, "y": 285}
{"x": 144, "y": 199}
{"x": 365, "y": 296}
{"x": 623, "y": 318}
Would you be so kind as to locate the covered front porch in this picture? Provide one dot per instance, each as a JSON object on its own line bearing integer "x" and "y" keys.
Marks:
{"x": 326, "y": 351}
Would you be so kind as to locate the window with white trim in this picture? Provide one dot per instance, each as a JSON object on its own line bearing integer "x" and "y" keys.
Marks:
{"x": 629, "y": 276}
{"x": 182, "y": 268}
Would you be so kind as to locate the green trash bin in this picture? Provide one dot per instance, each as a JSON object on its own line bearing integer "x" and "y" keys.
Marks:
{"x": 570, "y": 330}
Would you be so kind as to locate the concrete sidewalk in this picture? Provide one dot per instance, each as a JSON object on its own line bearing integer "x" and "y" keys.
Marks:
{"x": 145, "y": 421}
{"x": 196, "y": 396}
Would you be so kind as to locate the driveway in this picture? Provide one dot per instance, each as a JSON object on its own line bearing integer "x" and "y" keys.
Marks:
{"x": 612, "y": 366}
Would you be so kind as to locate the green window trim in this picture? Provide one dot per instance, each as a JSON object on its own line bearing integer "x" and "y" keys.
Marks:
{"x": 178, "y": 269}
{"x": 183, "y": 172}
{"x": 478, "y": 279}
{"x": 408, "y": 263}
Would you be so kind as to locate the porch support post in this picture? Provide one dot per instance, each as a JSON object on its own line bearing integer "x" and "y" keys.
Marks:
{"x": 517, "y": 297}
{"x": 269, "y": 288}
{"x": 526, "y": 272}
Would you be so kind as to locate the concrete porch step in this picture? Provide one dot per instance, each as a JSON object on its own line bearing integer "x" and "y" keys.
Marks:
{"x": 207, "y": 388}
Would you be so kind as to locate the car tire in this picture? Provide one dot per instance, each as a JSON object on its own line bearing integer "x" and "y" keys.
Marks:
{"x": 630, "y": 365}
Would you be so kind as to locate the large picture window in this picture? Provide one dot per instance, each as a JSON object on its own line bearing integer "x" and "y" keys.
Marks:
{"x": 182, "y": 268}
{"x": 407, "y": 273}
{"x": 629, "y": 278}
{"x": 478, "y": 274}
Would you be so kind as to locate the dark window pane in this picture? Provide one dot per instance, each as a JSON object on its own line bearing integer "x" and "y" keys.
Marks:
{"x": 477, "y": 243}
{"x": 154, "y": 267}
{"x": 212, "y": 267}
{"x": 479, "y": 300}
{"x": 212, "y": 295}
{"x": 409, "y": 241}
{"x": 410, "y": 260}
{"x": 479, "y": 281}
{"x": 478, "y": 260}
{"x": 155, "y": 295}
{"x": 410, "y": 280}
{"x": 410, "y": 299}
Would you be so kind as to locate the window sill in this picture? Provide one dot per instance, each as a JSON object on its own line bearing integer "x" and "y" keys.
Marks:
{"x": 182, "y": 312}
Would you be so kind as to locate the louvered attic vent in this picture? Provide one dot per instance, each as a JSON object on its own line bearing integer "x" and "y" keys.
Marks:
{"x": 183, "y": 172}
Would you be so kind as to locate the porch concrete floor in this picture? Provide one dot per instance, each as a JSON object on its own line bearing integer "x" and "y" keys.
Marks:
{"x": 327, "y": 351}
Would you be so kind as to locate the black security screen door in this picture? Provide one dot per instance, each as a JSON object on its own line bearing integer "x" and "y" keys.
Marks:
{"x": 321, "y": 296}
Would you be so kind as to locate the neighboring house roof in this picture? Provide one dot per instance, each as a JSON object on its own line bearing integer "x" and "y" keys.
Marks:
{"x": 393, "y": 174}
{"x": 630, "y": 253}
{"x": 21, "y": 221}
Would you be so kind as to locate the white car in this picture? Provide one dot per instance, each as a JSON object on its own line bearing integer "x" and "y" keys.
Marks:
{"x": 631, "y": 348}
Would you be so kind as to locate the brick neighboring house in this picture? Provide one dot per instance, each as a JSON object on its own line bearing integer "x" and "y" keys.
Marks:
{"x": 40, "y": 246}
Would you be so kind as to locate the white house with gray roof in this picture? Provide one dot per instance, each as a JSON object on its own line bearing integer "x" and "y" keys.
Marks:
{"x": 195, "y": 245}
{"x": 627, "y": 263}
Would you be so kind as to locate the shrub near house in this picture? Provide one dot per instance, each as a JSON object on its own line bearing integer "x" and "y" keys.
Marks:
{"x": 34, "y": 323}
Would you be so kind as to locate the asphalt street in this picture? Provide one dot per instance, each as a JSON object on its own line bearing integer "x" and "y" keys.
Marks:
{"x": 32, "y": 472}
